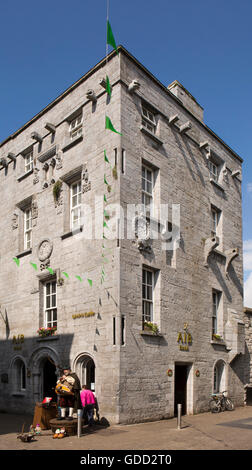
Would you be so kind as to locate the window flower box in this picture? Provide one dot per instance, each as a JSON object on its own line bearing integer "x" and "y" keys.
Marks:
{"x": 151, "y": 327}
{"x": 43, "y": 332}
{"x": 216, "y": 337}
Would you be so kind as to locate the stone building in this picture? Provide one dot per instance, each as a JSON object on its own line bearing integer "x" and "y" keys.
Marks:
{"x": 248, "y": 355}
{"x": 192, "y": 294}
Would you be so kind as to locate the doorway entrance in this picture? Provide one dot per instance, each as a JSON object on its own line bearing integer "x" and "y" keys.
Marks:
{"x": 180, "y": 392}
{"x": 49, "y": 379}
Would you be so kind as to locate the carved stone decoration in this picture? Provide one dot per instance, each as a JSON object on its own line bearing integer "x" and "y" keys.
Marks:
{"x": 225, "y": 174}
{"x": 34, "y": 209}
{"x": 36, "y": 177}
{"x": 53, "y": 162}
{"x": 141, "y": 228}
{"x": 59, "y": 162}
{"x": 44, "y": 252}
{"x": 14, "y": 221}
{"x": 230, "y": 256}
{"x": 86, "y": 184}
{"x": 210, "y": 244}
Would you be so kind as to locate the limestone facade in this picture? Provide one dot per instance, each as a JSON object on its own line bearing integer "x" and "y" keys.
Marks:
{"x": 196, "y": 289}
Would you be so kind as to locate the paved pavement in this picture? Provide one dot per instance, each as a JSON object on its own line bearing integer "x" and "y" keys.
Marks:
{"x": 206, "y": 431}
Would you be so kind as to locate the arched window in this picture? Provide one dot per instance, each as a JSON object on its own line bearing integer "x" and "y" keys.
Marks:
{"x": 19, "y": 375}
{"x": 85, "y": 369}
{"x": 219, "y": 384}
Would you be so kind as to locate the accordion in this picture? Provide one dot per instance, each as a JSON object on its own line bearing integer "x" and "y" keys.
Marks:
{"x": 63, "y": 390}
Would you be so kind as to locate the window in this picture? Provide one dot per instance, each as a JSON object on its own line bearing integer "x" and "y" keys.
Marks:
{"x": 213, "y": 170}
{"x": 215, "y": 306}
{"x": 28, "y": 161}
{"x": 123, "y": 161}
{"x": 147, "y": 295}
{"x": 147, "y": 190}
{"x": 75, "y": 127}
{"x": 75, "y": 206}
{"x": 123, "y": 330}
{"x": 215, "y": 215}
{"x": 27, "y": 228}
{"x": 148, "y": 120}
{"x": 114, "y": 331}
{"x": 50, "y": 304}
{"x": 19, "y": 376}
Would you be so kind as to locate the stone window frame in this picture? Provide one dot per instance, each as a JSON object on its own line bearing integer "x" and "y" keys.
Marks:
{"x": 25, "y": 154}
{"x": 216, "y": 167}
{"x": 156, "y": 314}
{"x": 68, "y": 180}
{"x": 47, "y": 323}
{"x": 148, "y": 118}
{"x": 76, "y": 126}
{"x": 217, "y": 310}
{"x": 19, "y": 375}
{"x": 43, "y": 279}
{"x": 76, "y": 206}
{"x": 22, "y": 207}
{"x": 216, "y": 226}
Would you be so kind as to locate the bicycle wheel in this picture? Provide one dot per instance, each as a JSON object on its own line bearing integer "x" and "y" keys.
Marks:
{"x": 229, "y": 404}
{"x": 214, "y": 406}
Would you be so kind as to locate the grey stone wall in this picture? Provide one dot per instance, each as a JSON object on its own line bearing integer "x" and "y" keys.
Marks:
{"x": 132, "y": 383}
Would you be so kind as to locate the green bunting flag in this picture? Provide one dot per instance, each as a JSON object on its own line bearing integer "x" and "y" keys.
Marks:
{"x": 109, "y": 125}
{"x": 79, "y": 278}
{"x": 34, "y": 266}
{"x": 90, "y": 282}
{"x": 110, "y": 37}
{"x": 105, "y": 181}
{"x": 105, "y": 199}
{"x": 17, "y": 261}
{"x": 65, "y": 274}
{"x": 50, "y": 270}
{"x": 108, "y": 86}
{"x": 105, "y": 157}
{"x": 105, "y": 225}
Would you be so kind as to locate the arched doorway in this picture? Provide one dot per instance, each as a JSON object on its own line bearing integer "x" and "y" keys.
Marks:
{"x": 219, "y": 379}
{"x": 49, "y": 379}
{"x": 85, "y": 369}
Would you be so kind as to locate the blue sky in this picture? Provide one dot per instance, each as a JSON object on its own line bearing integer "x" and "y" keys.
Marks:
{"x": 47, "y": 46}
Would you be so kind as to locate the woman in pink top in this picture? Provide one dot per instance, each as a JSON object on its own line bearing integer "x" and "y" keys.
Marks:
{"x": 88, "y": 402}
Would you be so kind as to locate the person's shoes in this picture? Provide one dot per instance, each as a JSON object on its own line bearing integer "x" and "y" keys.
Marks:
{"x": 60, "y": 418}
{"x": 69, "y": 418}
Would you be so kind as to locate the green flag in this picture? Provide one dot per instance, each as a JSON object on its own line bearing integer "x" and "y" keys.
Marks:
{"x": 105, "y": 157}
{"x": 50, "y": 270}
{"x": 105, "y": 199}
{"x": 110, "y": 37}
{"x": 34, "y": 266}
{"x": 79, "y": 278}
{"x": 105, "y": 181}
{"x": 105, "y": 225}
{"x": 90, "y": 282}
{"x": 108, "y": 86}
{"x": 17, "y": 261}
{"x": 109, "y": 125}
{"x": 65, "y": 274}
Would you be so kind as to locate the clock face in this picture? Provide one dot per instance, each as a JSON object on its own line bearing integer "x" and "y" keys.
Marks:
{"x": 44, "y": 250}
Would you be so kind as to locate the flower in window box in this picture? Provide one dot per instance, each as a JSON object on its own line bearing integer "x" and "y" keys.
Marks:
{"x": 216, "y": 337}
{"x": 46, "y": 331}
{"x": 149, "y": 326}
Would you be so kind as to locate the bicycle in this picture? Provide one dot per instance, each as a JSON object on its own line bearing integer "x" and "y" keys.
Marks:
{"x": 219, "y": 402}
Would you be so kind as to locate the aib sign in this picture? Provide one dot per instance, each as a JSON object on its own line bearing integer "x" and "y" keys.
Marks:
{"x": 184, "y": 339}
